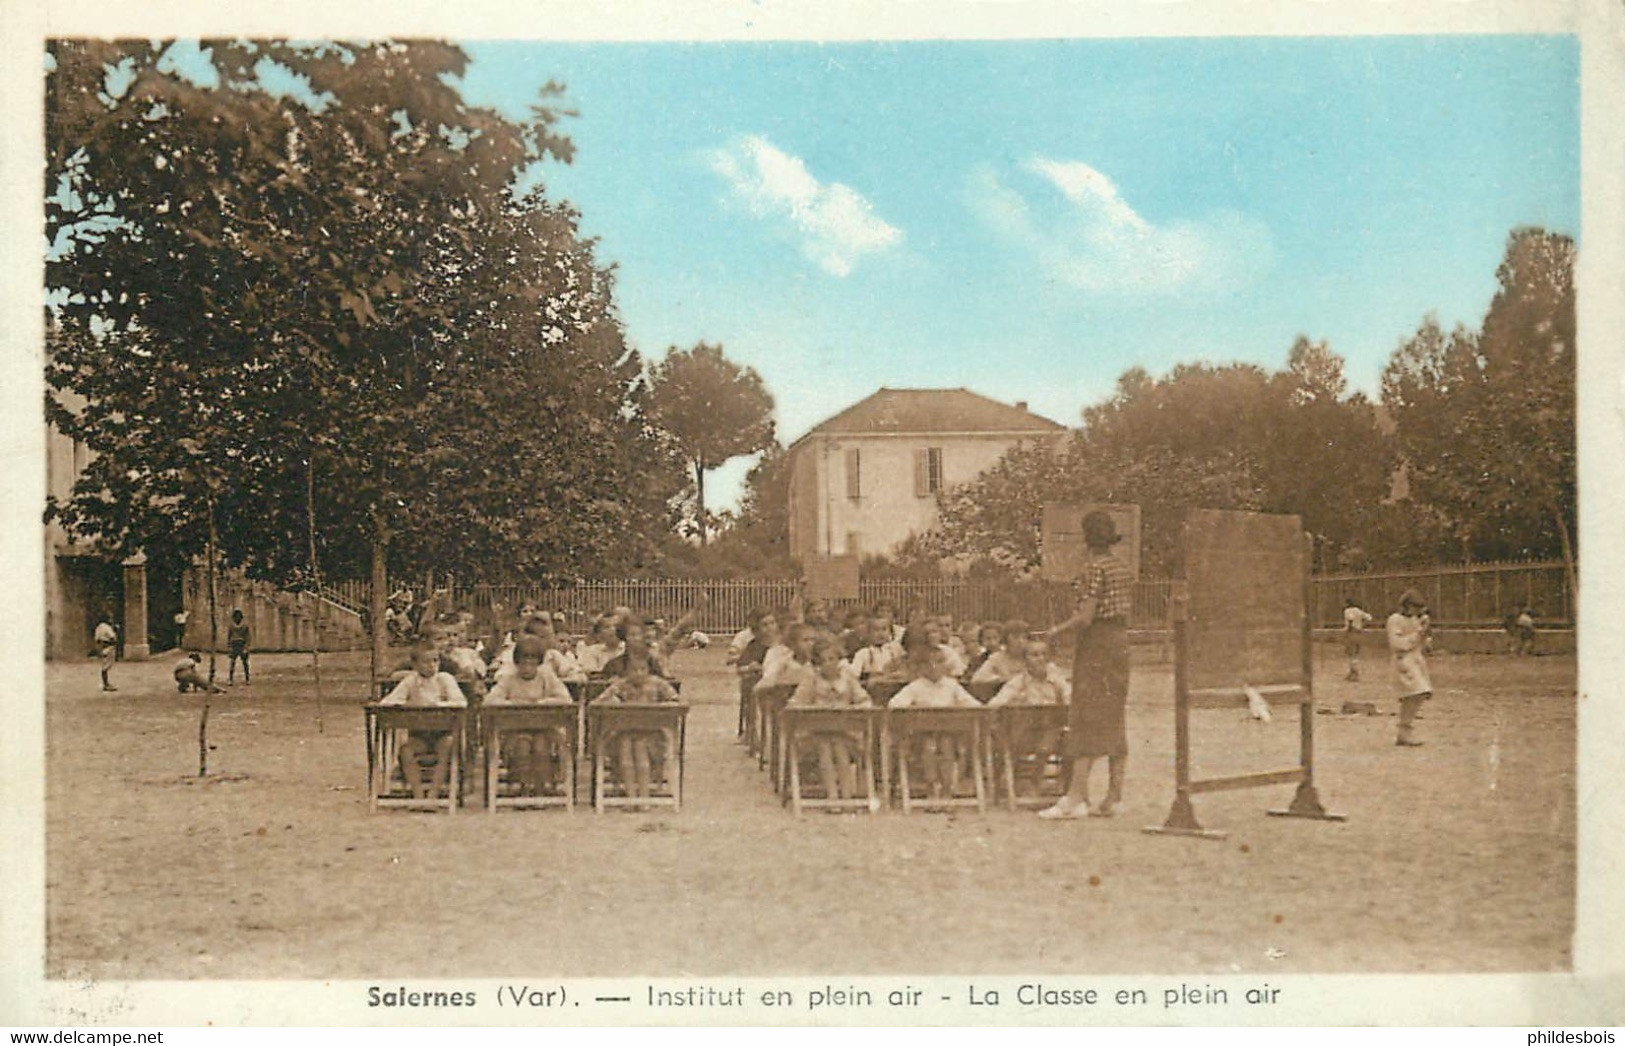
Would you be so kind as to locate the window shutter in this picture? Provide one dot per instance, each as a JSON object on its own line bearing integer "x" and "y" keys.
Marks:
{"x": 922, "y": 473}
{"x": 854, "y": 482}
{"x": 934, "y": 469}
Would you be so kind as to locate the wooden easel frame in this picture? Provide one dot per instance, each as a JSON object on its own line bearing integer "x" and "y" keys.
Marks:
{"x": 1306, "y": 801}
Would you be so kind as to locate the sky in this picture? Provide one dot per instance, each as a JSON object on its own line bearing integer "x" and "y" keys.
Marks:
{"x": 1028, "y": 219}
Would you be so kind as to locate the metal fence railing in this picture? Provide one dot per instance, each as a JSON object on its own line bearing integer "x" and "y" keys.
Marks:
{"x": 1478, "y": 594}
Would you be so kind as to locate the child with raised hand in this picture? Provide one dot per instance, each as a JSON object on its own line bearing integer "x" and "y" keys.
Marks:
{"x": 933, "y": 687}
{"x": 1005, "y": 663}
{"x": 536, "y": 756}
{"x": 426, "y": 686}
{"x": 833, "y": 685}
{"x": 638, "y": 751}
{"x": 792, "y": 664}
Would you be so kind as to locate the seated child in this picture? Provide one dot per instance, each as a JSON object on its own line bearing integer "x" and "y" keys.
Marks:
{"x": 789, "y": 664}
{"x": 639, "y": 751}
{"x": 188, "y": 677}
{"x": 983, "y": 645}
{"x": 463, "y": 662}
{"x": 601, "y": 644}
{"x": 1005, "y": 663}
{"x": 883, "y": 656}
{"x": 854, "y": 632}
{"x": 426, "y": 686}
{"x": 833, "y": 685}
{"x": 1041, "y": 682}
{"x": 539, "y": 758}
{"x": 932, "y": 687}
{"x": 634, "y": 635}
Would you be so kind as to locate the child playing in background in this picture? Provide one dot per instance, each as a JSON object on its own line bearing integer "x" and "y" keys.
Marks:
{"x": 1407, "y": 638}
{"x": 237, "y": 638}
{"x": 187, "y": 676}
{"x": 833, "y": 685}
{"x": 1354, "y": 621}
{"x": 638, "y": 751}
{"x": 426, "y": 686}
{"x": 537, "y": 757}
{"x": 933, "y": 688}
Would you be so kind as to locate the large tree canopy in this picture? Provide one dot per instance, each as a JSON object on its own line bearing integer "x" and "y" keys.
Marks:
{"x": 713, "y": 409}
{"x": 1486, "y": 419}
{"x": 1232, "y": 436}
{"x": 256, "y": 287}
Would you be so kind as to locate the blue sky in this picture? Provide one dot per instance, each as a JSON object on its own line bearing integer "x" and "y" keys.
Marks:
{"x": 1028, "y": 219}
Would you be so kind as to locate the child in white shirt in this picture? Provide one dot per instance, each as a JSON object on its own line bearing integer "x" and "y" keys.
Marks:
{"x": 789, "y": 664}
{"x": 537, "y": 757}
{"x": 639, "y": 751}
{"x": 833, "y": 685}
{"x": 882, "y": 657}
{"x": 934, "y": 688}
{"x": 426, "y": 686}
{"x": 1005, "y": 663}
{"x": 1041, "y": 682}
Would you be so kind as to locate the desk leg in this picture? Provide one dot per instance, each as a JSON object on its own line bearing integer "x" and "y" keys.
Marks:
{"x": 978, "y": 744}
{"x": 493, "y": 761}
{"x": 794, "y": 757}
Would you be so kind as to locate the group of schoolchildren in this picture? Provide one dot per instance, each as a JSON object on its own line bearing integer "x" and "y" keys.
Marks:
{"x": 934, "y": 663}
{"x": 532, "y": 664}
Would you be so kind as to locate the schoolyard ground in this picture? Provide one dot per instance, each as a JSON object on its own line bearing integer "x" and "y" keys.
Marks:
{"x": 1457, "y": 857}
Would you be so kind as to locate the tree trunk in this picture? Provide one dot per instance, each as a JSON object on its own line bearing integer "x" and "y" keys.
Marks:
{"x": 316, "y": 583}
{"x": 699, "y": 496}
{"x": 214, "y": 646}
{"x": 1568, "y": 562}
{"x": 378, "y": 597}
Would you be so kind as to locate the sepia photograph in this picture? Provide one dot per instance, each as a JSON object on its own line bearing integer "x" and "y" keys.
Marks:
{"x": 661, "y": 510}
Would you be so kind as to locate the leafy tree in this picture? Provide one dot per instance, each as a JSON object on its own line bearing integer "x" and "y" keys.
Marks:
{"x": 713, "y": 409}
{"x": 1230, "y": 436}
{"x": 340, "y": 298}
{"x": 1486, "y": 419}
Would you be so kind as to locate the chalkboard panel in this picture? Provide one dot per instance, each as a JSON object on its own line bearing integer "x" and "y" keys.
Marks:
{"x": 1246, "y": 615}
{"x": 831, "y": 577}
{"x": 1061, "y": 539}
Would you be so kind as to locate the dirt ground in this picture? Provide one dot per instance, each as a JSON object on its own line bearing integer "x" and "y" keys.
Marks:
{"x": 1458, "y": 856}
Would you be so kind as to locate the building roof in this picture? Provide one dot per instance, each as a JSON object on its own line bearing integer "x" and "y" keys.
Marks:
{"x": 933, "y": 410}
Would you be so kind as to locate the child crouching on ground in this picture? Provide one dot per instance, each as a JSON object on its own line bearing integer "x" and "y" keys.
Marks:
{"x": 426, "y": 686}
{"x": 932, "y": 687}
{"x": 833, "y": 685}
{"x": 538, "y": 758}
{"x": 188, "y": 677}
{"x": 639, "y": 751}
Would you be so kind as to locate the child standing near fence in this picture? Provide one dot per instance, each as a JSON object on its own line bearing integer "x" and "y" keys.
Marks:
{"x": 237, "y": 639}
{"x": 1407, "y": 642}
{"x": 932, "y": 687}
{"x": 833, "y": 686}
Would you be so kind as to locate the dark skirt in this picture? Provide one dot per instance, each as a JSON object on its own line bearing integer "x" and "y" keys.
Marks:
{"x": 1095, "y": 726}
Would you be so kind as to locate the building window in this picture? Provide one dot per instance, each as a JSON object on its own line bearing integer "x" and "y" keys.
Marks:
{"x": 854, "y": 481}
{"x": 854, "y": 543}
{"x": 927, "y": 472}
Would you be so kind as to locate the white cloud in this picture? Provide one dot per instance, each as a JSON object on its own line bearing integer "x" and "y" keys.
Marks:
{"x": 1092, "y": 239}
{"x": 836, "y": 226}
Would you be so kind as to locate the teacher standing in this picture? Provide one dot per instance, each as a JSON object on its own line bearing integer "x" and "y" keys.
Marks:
{"x": 1100, "y": 672}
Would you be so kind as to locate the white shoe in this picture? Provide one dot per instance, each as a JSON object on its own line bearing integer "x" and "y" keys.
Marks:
{"x": 1064, "y": 810}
